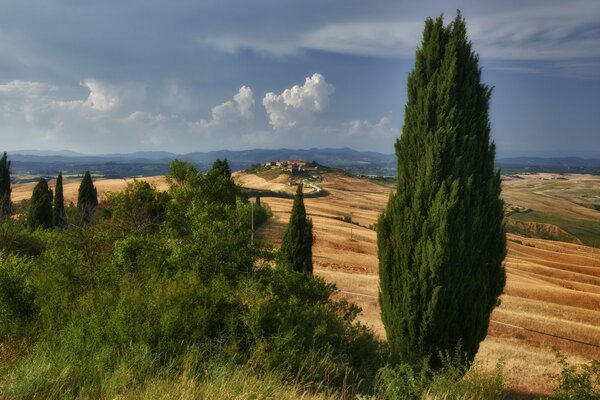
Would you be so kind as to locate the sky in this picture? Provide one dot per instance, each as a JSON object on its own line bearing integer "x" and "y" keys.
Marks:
{"x": 182, "y": 76}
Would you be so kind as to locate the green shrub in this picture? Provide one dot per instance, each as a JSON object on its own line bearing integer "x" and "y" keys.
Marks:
{"x": 17, "y": 295}
{"x": 455, "y": 380}
{"x": 577, "y": 383}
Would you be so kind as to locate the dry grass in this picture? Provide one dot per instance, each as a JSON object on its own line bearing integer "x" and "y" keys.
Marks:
{"x": 552, "y": 287}
{"x": 71, "y": 186}
{"x": 554, "y": 193}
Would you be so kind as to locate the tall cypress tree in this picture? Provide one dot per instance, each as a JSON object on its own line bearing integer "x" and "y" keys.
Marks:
{"x": 40, "y": 206}
{"x": 87, "y": 198}
{"x": 296, "y": 247}
{"x": 5, "y": 190}
{"x": 59, "y": 214}
{"x": 441, "y": 238}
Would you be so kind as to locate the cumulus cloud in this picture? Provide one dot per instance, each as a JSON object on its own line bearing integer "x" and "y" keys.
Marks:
{"x": 100, "y": 98}
{"x": 238, "y": 109}
{"x": 298, "y": 103}
{"x": 379, "y": 129}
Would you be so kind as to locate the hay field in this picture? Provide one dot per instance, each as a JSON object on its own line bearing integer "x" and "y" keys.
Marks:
{"x": 23, "y": 191}
{"x": 552, "y": 287}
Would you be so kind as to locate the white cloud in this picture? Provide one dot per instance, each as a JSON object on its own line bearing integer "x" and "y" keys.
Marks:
{"x": 238, "y": 109}
{"x": 298, "y": 103}
{"x": 100, "y": 98}
{"x": 563, "y": 35}
{"x": 146, "y": 118}
{"x": 232, "y": 44}
{"x": 380, "y": 129}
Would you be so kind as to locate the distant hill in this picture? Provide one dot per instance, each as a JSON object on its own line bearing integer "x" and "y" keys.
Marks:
{"x": 146, "y": 163}
{"x": 551, "y": 162}
{"x": 555, "y": 164}
{"x": 35, "y": 162}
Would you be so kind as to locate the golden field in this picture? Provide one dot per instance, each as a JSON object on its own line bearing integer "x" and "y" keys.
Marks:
{"x": 552, "y": 287}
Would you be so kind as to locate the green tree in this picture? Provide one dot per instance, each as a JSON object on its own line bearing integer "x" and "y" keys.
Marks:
{"x": 87, "y": 198}
{"x": 40, "y": 206}
{"x": 296, "y": 247}
{"x": 441, "y": 238}
{"x": 140, "y": 208}
{"x": 59, "y": 214}
{"x": 219, "y": 187}
{"x": 5, "y": 190}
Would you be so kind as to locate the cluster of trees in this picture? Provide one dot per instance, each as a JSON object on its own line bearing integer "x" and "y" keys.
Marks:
{"x": 156, "y": 276}
{"x": 47, "y": 208}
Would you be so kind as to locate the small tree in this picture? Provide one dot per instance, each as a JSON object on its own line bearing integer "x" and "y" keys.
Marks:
{"x": 296, "y": 247}
{"x": 219, "y": 187}
{"x": 5, "y": 190}
{"x": 87, "y": 198}
{"x": 441, "y": 238}
{"x": 40, "y": 207}
{"x": 59, "y": 214}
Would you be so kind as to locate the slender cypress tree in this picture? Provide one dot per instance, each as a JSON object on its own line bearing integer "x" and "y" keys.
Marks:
{"x": 5, "y": 190}
{"x": 59, "y": 214}
{"x": 296, "y": 247}
{"x": 441, "y": 238}
{"x": 87, "y": 198}
{"x": 40, "y": 206}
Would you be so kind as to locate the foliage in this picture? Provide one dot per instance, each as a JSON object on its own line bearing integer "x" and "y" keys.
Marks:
{"x": 16, "y": 295}
{"x": 296, "y": 247}
{"x": 139, "y": 208}
{"x": 441, "y": 239}
{"x": 452, "y": 381}
{"x": 87, "y": 198}
{"x": 108, "y": 307}
{"x": 16, "y": 239}
{"x": 40, "y": 207}
{"x": 5, "y": 190}
{"x": 577, "y": 383}
{"x": 59, "y": 215}
{"x": 218, "y": 186}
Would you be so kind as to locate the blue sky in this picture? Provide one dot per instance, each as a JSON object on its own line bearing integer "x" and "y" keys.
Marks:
{"x": 183, "y": 76}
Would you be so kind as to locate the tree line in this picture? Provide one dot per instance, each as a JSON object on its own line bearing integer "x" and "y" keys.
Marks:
{"x": 46, "y": 208}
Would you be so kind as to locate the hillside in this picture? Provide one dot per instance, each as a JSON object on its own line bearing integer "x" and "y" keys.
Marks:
{"x": 552, "y": 286}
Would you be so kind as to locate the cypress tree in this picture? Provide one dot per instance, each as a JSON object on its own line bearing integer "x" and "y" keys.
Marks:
{"x": 441, "y": 238}
{"x": 296, "y": 247}
{"x": 87, "y": 198}
{"x": 40, "y": 206}
{"x": 59, "y": 214}
{"x": 5, "y": 190}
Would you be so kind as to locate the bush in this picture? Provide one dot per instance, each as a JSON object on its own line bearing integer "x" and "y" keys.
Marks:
{"x": 17, "y": 295}
{"x": 455, "y": 380}
{"x": 577, "y": 383}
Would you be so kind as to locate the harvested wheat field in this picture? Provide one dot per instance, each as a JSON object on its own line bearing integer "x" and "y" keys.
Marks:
{"x": 71, "y": 186}
{"x": 552, "y": 287}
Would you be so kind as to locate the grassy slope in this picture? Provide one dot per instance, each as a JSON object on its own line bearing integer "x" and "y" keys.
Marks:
{"x": 587, "y": 231}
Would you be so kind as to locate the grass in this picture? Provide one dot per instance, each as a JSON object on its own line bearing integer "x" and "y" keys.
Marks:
{"x": 587, "y": 231}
